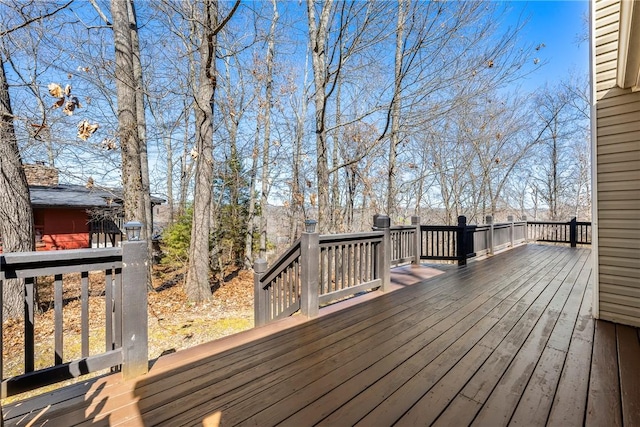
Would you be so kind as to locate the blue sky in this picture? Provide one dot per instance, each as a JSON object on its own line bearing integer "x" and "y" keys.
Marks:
{"x": 557, "y": 24}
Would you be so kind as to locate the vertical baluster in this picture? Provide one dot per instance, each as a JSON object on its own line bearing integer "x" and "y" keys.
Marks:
{"x": 367, "y": 269}
{"x": 351, "y": 269}
{"x": 292, "y": 277}
{"x": 281, "y": 292}
{"x": 287, "y": 288}
{"x": 269, "y": 305}
{"x": 330, "y": 273}
{"x": 285, "y": 285}
{"x": 29, "y": 323}
{"x": 279, "y": 295}
{"x": 274, "y": 298}
{"x": 360, "y": 263}
{"x": 323, "y": 255}
{"x": 345, "y": 266}
{"x": 57, "y": 307}
{"x": 336, "y": 268}
{"x": 84, "y": 313}
{"x": 292, "y": 283}
{"x": 108, "y": 302}
{"x": 116, "y": 284}
{"x": 356, "y": 263}
{"x": 432, "y": 235}
{"x": 369, "y": 261}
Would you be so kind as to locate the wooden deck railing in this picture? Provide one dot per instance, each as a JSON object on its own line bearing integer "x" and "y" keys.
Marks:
{"x": 405, "y": 244}
{"x": 462, "y": 242}
{"x": 125, "y": 289}
{"x": 572, "y": 232}
{"x": 317, "y": 269}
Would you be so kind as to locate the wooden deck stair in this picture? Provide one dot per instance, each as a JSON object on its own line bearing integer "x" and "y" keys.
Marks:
{"x": 504, "y": 341}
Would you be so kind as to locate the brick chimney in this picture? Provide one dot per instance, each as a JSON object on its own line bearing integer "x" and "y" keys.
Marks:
{"x": 40, "y": 174}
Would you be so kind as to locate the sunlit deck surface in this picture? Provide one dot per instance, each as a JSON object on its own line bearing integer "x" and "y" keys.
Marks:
{"x": 506, "y": 340}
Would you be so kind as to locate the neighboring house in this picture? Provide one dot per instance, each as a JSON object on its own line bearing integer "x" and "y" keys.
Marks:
{"x": 615, "y": 45}
{"x": 73, "y": 216}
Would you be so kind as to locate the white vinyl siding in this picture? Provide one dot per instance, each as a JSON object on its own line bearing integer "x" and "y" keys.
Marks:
{"x": 617, "y": 165}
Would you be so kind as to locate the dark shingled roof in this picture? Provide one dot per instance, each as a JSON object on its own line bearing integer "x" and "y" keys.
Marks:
{"x": 77, "y": 196}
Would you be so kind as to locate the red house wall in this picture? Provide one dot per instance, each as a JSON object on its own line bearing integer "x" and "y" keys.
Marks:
{"x": 61, "y": 228}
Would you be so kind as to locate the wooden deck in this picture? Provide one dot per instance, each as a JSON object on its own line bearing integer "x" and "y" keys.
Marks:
{"x": 504, "y": 341}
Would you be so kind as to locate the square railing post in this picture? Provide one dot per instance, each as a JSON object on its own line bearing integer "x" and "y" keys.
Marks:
{"x": 135, "y": 273}
{"x": 462, "y": 240}
{"x": 511, "y": 230}
{"x": 489, "y": 222}
{"x": 573, "y": 232}
{"x": 309, "y": 274}
{"x": 259, "y": 297}
{"x": 415, "y": 221}
{"x": 383, "y": 223}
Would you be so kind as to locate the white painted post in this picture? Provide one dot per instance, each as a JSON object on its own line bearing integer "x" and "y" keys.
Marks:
{"x": 310, "y": 274}
{"x": 134, "y": 311}
{"x": 415, "y": 221}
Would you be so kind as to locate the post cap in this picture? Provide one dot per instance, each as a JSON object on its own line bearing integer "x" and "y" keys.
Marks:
{"x": 260, "y": 265}
{"x": 382, "y": 221}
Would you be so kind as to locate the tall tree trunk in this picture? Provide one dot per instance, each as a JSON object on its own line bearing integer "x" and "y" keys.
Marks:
{"x": 197, "y": 285}
{"x": 336, "y": 225}
{"x": 267, "y": 131}
{"x": 133, "y": 189}
{"x": 297, "y": 192}
{"x": 147, "y": 219}
{"x": 251, "y": 211}
{"x": 169, "y": 178}
{"x": 318, "y": 37}
{"x": 186, "y": 168}
{"x": 142, "y": 127}
{"x": 16, "y": 216}
{"x": 394, "y": 137}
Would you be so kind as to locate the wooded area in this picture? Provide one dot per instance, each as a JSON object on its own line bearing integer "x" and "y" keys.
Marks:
{"x": 335, "y": 110}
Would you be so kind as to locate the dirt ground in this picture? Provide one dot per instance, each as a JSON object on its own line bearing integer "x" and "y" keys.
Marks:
{"x": 174, "y": 323}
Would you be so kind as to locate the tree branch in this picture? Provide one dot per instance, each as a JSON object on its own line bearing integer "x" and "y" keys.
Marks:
{"x": 37, "y": 18}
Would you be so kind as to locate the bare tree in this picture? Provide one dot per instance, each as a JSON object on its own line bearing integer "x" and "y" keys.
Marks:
{"x": 197, "y": 285}
{"x": 268, "y": 101}
{"x": 16, "y": 215}
{"x": 131, "y": 144}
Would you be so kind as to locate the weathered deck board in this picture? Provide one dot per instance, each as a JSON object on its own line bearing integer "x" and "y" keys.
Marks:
{"x": 503, "y": 341}
{"x": 629, "y": 360}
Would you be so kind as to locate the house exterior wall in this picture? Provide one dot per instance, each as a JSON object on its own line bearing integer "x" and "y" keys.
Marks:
{"x": 616, "y": 165}
{"x": 60, "y": 228}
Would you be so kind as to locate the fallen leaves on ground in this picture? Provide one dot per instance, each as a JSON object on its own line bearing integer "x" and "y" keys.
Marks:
{"x": 173, "y": 322}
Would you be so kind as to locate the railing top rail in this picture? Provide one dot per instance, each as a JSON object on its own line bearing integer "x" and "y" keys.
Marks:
{"x": 440, "y": 227}
{"x": 282, "y": 258}
{"x": 502, "y": 225}
{"x": 551, "y": 222}
{"x": 78, "y": 256}
{"x": 347, "y": 237}
{"x": 402, "y": 227}
{"x": 479, "y": 227}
